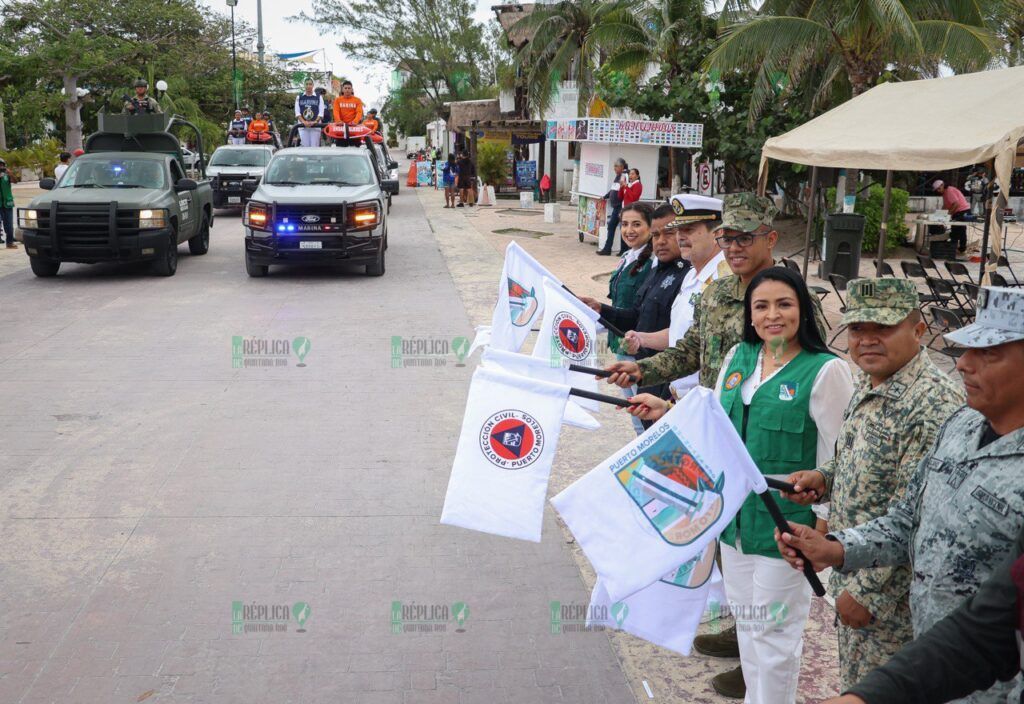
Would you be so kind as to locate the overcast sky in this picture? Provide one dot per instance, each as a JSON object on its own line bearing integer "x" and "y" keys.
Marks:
{"x": 282, "y": 36}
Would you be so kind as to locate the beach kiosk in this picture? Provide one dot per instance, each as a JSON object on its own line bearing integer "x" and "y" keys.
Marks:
{"x": 602, "y": 141}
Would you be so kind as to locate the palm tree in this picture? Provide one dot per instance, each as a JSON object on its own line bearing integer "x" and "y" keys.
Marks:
{"x": 650, "y": 33}
{"x": 847, "y": 45}
{"x": 567, "y": 42}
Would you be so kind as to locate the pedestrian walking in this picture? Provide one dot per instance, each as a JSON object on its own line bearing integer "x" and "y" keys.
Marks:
{"x": 614, "y": 207}
{"x": 901, "y": 401}
{"x": 652, "y": 307}
{"x": 309, "y": 111}
{"x": 7, "y": 205}
{"x": 965, "y": 502}
{"x": 785, "y": 393}
{"x": 467, "y": 180}
{"x": 545, "y": 188}
{"x": 449, "y": 175}
{"x": 65, "y": 162}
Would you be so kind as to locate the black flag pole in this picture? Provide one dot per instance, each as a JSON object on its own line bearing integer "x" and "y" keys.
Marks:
{"x": 603, "y": 398}
{"x": 608, "y": 326}
{"x": 602, "y": 373}
{"x": 783, "y": 526}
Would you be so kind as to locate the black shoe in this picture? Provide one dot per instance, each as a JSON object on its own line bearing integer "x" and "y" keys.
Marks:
{"x": 730, "y": 684}
{"x": 460, "y": 205}
{"x": 718, "y": 645}
{"x": 602, "y": 253}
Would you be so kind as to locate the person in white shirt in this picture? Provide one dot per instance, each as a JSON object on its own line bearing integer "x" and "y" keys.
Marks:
{"x": 65, "y": 162}
{"x": 309, "y": 110}
{"x": 696, "y": 217}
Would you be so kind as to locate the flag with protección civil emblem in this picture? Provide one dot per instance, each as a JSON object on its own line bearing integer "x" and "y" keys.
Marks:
{"x": 503, "y": 460}
{"x": 568, "y": 335}
{"x": 668, "y": 612}
{"x": 520, "y": 300}
{"x": 659, "y": 501}
{"x": 525, "y": 365}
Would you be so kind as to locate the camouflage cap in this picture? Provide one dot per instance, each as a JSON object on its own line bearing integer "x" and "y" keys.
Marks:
{"x": 746, "y": 212}
{"x": 885, "y": 301}
{"x": 1000, "y": 319}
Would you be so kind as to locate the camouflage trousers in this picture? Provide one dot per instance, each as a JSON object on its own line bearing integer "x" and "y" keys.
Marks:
{"x": 863, "y": 649}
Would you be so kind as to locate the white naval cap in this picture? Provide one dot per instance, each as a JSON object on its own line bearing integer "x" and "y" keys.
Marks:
{"x": 690, "y": 207}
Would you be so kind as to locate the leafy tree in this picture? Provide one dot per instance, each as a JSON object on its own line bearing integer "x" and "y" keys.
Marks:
{"x": 437, "y": 42}
{"x": 568, "y": 38}
{"x": 848, "y": 45}
{"x": 492, "y": 162}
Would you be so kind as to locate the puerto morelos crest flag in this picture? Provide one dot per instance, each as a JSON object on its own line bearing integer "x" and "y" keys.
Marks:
{"x": 668, "y": 612}
{"x": 509, "y": 436}
{"x": 520, "y": 298}
{"x": 657, "y": 503}
{"x": 525, "y": 365}
{"x": 568, "y": 335}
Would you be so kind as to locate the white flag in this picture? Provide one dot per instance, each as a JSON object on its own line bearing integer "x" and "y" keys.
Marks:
{"x": 481, "y": 339}
{"x": 668, "y": 612}
{"x": 509, "y": 436}
{"x": 568, "y": 335}
{"x": 525, "y": 365}
{"x": 520, "y": 298}
{"x": 657, "y": 503}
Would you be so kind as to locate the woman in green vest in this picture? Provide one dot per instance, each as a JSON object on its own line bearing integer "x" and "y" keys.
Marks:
{"x": 634, "y": 266}
{"x": 786, "y": 395}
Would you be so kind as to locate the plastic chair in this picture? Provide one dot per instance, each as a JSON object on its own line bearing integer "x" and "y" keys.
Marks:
{"x": 997, "y": 279}
{"x": 819, "y": 291}
{"x": 929, "y": 263}
{"x": 886, "y": 269}
{"x": 946, "y": 321}
{"x": 946, "y": 292}
{"x": 1004, "y": 262}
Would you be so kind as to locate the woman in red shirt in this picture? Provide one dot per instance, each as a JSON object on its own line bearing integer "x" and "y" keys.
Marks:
{"x": 630, "y": 192}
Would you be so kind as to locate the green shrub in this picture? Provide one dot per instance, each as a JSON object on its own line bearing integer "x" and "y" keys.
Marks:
{"x": 492, "y": 162}
{"x": 871, "y": 208}
{"x": 42, "y": 156}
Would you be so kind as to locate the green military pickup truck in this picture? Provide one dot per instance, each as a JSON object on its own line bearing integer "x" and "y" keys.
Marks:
{"x": 128, "y": 198}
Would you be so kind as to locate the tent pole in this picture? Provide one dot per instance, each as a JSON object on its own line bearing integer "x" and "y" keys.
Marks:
{"x": 990, "y": 166}
{"x": 810, "y": 217}
{"x": 883, "y": 229}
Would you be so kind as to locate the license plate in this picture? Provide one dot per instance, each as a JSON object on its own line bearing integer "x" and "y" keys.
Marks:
{"x": 234, "y": 199}
{"x": 311, "y": 244}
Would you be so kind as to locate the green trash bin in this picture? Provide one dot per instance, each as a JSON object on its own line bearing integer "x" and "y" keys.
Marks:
{"x": 841, "y": 244}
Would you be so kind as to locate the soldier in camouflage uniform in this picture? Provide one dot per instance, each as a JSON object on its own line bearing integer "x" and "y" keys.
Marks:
{"x": 901, "y": 401}
{"x": 141, "y": 103}
{"x": 965, "y": 503}
{"x": 747, "y": 237}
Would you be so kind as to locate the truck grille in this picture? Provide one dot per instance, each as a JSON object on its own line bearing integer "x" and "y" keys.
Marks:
{"x": 88, "y": 225}
{"x": 312, "y": 218}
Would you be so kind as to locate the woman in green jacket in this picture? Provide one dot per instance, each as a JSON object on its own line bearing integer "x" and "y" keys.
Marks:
{"x": 785, "y": 394}
{"x": 634, "y": 266}
{"x": 7, "y": 204}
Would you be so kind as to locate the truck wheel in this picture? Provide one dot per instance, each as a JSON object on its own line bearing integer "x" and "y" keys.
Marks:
{"x": 167, "y": 261}
{"x": 43, "y": 268}
{"x": 377, "y": 268}
{"x": 200, "y": 244}
{"x": 255, "y": 270}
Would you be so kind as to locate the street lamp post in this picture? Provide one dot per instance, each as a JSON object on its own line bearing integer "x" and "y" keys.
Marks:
{"x": 234, "y": 58}
{"x": 259, "y": 30}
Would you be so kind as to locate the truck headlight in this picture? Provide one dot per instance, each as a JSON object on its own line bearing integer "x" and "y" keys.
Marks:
{"x": 153, "y": 219}
{"x": 363, "y": 216}
{"x": 256, "y": 216}
{"x": 28, "y": 219}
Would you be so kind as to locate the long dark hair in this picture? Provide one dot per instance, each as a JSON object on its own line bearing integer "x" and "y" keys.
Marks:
{"x": 646, "y": 212}
{"x": 807, "y": 334}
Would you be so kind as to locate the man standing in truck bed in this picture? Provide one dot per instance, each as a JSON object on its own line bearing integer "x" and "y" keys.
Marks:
{"x": 348, "y": 109}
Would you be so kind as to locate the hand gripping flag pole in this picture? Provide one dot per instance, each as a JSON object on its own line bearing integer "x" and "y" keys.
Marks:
{"x": 597, "y": 372}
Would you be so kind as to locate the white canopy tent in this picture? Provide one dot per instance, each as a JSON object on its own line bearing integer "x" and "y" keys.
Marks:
{"x": 927, "y": 125}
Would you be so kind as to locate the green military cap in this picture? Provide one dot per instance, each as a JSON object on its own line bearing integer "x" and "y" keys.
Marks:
{"x": 746, "y": 212}
{"x": 885, "y": 301}
{"x": 140, "y": 83}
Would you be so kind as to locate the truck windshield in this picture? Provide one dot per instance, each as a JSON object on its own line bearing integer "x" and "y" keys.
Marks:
{"x": 240, "y": 157}
{"x": 326, "y": 169}
{"x": 113, "y": 172}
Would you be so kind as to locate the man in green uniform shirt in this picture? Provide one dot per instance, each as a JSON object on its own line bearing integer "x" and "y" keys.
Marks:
{"x": 901, "y": 401}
